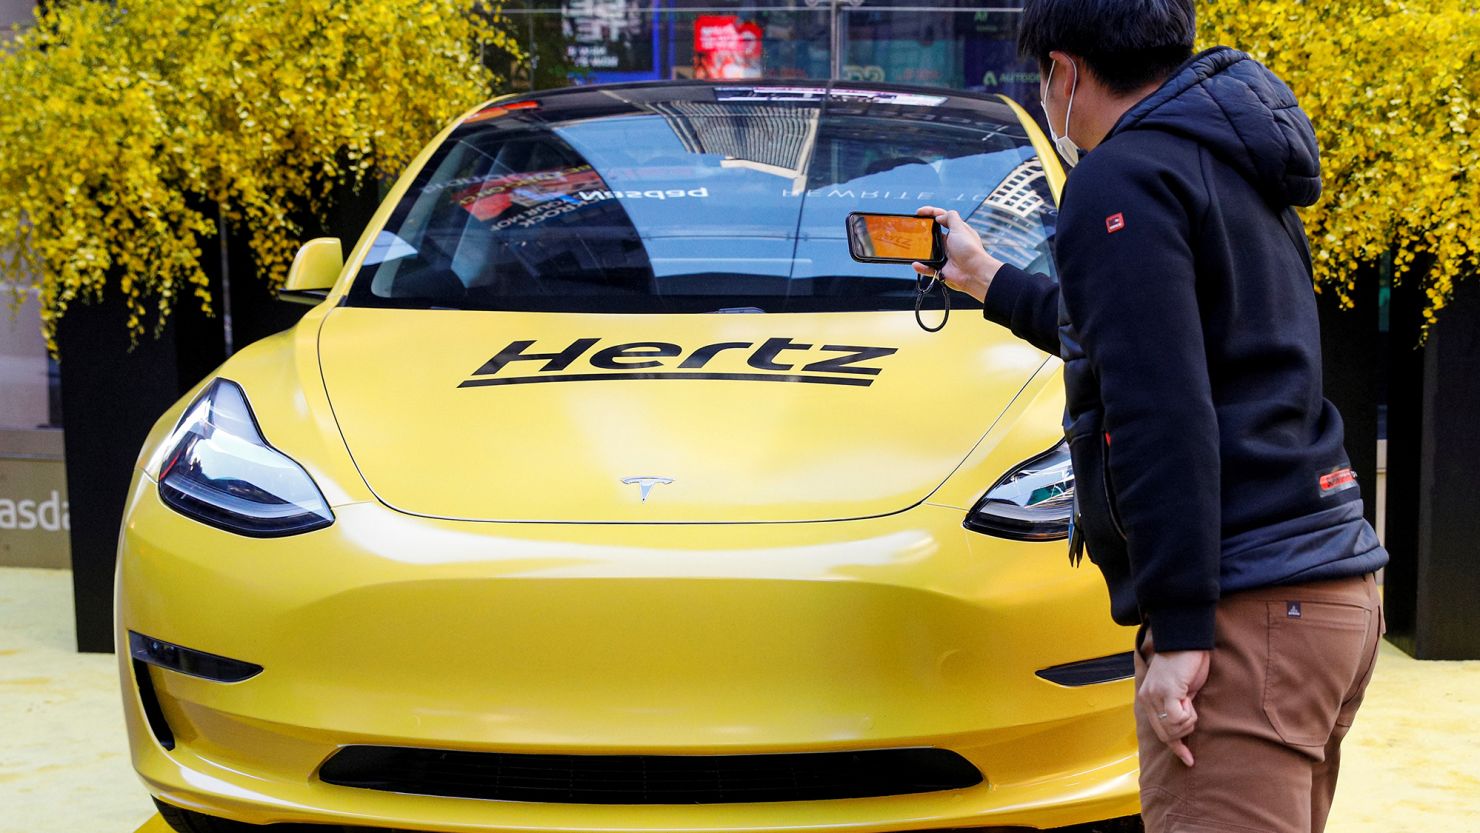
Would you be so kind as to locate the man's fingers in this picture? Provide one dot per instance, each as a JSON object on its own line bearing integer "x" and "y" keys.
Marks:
{"x": 1153, "y": 716}
{"x": 1168, "y": 732}
{"x": 948, "y": 273}
{"x": 1166, "y": 697}
{"x": 932, "y": 272}
{"x": 1178, "y": 710}
{"x": 953, "y": 277}
{"x": 1174, "y": 730}
{"x": 1200, "y": 677}
{"x": 1181, "y": 751}
{"x": 1159, "y": 727}
{"x": 1180, "y": 721}
{"x": 1175, "y": 706}
{"x": 950, "y": 219}
{"x": 1180, "y": 715}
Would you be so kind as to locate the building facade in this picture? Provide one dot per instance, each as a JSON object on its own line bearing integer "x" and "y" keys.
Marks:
{"x": 960, "y": 44}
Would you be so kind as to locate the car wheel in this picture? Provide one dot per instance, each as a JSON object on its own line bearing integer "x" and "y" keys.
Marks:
{"x": 189, "y": 821}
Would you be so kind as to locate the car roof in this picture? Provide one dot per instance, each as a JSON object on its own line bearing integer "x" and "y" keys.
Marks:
{"x": 903, "y": 101}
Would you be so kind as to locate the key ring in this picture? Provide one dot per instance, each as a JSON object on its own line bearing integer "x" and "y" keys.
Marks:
{"x": 921, "y": 290}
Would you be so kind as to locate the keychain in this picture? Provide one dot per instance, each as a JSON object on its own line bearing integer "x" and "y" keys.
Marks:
{"x": 898, "y": 238}
{"x": 923, "y": 285}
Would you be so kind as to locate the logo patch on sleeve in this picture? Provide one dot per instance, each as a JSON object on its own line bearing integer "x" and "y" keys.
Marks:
{"x": 1337, "y": 480}
{"x": 1115, "y": 222}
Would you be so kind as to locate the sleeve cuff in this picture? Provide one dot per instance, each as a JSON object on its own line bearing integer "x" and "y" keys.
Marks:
{"x": 1002, "y": 295}
{"x": 1182, "y": 628}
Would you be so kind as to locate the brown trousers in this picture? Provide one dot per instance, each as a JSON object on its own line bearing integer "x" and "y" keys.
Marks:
{"x": 1289, "y": 668}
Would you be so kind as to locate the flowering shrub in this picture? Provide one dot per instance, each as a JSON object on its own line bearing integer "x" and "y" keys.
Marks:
{"x": 1392, "y": 87}
{"x": 128, "y": 125}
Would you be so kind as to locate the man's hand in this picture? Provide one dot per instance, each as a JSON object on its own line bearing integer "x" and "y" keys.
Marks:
{"x": 1172, "y": 681}
{"x": 969, "y": 268}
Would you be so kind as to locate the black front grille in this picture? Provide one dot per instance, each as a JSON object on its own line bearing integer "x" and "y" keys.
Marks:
{"x": 649, "y": 779}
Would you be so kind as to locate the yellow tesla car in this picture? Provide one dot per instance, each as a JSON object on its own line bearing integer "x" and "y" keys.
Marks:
{"x": 602, "y": 491}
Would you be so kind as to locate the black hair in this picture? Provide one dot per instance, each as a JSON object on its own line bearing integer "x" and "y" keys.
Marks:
{"x": 1127, "y": 44}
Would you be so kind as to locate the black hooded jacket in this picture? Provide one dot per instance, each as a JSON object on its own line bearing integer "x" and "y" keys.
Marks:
{"x": 1206, "y": 458}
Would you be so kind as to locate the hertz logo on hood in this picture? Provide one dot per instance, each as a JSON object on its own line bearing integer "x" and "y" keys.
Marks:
{"x": 774, "y": 360}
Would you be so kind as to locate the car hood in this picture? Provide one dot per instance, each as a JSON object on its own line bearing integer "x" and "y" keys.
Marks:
{"x": 662, "y": 418}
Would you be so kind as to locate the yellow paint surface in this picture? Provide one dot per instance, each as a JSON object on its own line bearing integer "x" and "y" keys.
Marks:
{"x": 1411, "y": 761}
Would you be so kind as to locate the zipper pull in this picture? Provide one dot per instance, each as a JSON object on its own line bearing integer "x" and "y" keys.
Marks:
{"x": 1076, "y": 536}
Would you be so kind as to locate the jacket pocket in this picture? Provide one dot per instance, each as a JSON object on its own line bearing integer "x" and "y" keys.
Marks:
{"x": 1105, "y": 483}
{"x": 1102, "y": 534}
{"x": 1316, "y": 652}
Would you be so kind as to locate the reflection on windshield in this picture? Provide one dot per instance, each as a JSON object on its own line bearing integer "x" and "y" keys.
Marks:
{"x": 509, "y": 218}
{"x": 698, "y": 204}
{"x": 1014, "y": 220}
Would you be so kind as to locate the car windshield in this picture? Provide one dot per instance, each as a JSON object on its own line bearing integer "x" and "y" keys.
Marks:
{"x": 700, "y": 198}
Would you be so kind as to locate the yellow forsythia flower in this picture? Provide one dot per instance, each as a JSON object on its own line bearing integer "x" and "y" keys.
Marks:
{"x": 1392, "y": 87}
{"x": 126, "y": 125}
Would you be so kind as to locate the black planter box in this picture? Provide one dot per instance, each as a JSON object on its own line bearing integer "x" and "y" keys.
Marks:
{"x": 1433, "y": 491}
{"x": 111, "y": 396}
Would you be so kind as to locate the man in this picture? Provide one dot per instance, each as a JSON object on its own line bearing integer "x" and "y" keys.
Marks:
{"x": 1212, "y": 487}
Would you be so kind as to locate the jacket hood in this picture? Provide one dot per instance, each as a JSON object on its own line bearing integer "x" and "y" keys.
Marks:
{"x": 1244, "y": 114}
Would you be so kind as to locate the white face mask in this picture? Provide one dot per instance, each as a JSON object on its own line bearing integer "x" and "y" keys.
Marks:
{"x": 1066, "y": 146}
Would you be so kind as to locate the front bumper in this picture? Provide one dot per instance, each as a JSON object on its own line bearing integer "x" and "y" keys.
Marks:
{"x": 388, "y": 629}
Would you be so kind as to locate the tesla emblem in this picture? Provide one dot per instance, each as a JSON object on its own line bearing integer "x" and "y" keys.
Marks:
{"x": 646, "y": 483}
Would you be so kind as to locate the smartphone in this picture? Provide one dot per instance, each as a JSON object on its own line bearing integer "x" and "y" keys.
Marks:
{"x": 895, "y": 238}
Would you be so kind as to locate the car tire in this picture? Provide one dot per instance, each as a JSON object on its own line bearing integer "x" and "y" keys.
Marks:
{"x": 189, "y": 821}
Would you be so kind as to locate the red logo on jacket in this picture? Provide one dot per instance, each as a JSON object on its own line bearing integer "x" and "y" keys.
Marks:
{"x": 1115, "y": 222}
{"x": 1337, "y": 480}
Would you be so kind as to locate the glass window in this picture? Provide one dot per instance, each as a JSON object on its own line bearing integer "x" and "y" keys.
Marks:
{"x": 28, "y": 376}
{"x": 957, "y": 44}
{"x": 700, "y": 198}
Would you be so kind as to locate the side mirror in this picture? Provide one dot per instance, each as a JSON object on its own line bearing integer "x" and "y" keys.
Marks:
{"x": 314, "y": 271}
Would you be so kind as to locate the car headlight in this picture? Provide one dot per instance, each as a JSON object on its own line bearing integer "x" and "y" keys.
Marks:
{"x": 1033, "y": 502}
{"x": 220, "y": 470}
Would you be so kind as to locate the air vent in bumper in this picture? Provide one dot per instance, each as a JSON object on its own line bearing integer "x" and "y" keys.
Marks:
{"x": 649, "y": 779}
{"x": 1092, "y": 671}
